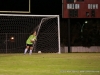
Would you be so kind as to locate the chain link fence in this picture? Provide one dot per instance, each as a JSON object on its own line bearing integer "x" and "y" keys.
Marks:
{"x": 16, "y": 43}
{"x": 12, "y": 42}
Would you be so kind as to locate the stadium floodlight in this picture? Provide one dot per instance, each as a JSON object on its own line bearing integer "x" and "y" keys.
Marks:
{"x": 86, "y": 21}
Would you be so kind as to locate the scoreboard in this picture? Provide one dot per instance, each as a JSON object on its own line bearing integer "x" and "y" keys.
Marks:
{"x": 15, "y": 6}
{"x": 80, "y": 8}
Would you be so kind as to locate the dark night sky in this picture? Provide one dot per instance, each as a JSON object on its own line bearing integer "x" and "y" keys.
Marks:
{"x": 46, "y": 7}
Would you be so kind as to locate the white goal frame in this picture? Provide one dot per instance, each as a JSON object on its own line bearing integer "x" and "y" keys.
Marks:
{"x": 48, "y": 16}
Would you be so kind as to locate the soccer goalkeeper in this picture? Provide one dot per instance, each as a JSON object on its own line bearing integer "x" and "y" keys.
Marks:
{"x": 29, "y": 43}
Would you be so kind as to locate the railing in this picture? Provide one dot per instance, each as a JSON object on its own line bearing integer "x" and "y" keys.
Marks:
{"x": 81, "y": 49}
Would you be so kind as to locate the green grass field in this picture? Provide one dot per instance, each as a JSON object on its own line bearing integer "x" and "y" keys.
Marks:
{"x": 50, "y": 64}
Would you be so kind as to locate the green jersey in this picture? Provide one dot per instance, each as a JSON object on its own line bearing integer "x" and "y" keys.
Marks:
{"x": 30, "y": 38}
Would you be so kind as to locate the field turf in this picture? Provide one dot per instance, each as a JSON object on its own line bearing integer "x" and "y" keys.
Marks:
{"x": 50, "y": 64}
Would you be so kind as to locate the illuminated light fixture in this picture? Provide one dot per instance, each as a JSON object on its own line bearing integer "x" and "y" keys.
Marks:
{"x": 12, "y": 38}
{"x": 86, "y": 21}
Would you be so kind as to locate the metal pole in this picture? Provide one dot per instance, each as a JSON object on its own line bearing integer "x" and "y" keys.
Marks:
{"x": 69, "y": 35}
{"x": 59, "y": 35}
{"x": 6, "y": 42}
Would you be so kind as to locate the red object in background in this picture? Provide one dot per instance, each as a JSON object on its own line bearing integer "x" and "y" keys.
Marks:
{"x": 80, "y": 8}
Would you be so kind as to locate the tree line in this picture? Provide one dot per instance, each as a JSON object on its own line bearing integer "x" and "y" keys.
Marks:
{"x": 83, "y": 32}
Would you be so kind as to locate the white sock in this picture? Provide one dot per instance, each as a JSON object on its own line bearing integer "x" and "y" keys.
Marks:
{"x": 30, "y": 52}
{"x": 25, "y": 51}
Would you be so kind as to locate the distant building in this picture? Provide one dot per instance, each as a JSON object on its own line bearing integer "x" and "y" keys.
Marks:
{"x": 80, "y": 8}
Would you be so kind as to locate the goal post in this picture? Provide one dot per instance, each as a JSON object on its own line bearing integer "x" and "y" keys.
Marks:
{"x": 48, "y": 31}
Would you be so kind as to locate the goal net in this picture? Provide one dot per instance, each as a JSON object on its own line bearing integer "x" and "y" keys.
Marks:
{"x": 15, "y": 29}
